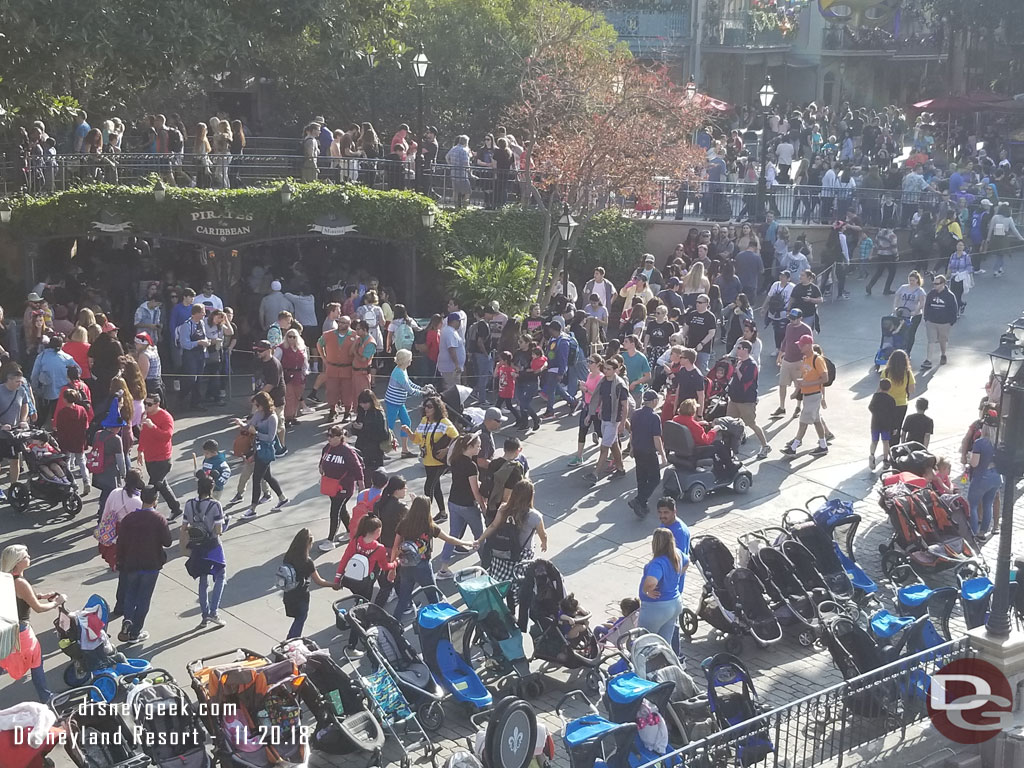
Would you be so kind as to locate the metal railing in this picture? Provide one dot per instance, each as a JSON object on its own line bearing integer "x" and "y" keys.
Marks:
{"x": 826, "y": 726}
{"x": 738, "y": 30}
{"x": 875, "y": 39}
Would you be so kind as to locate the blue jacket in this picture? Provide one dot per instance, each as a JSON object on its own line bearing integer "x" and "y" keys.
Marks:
{"x": 50, "y": 372}
{"x": 217, "y": 468}
{"x": 558, "y": 354}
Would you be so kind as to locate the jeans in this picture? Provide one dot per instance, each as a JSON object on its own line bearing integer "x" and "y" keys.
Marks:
{"x": 525, "y": 394}
{"x": 158, "y": 471}
{"x": 982, "y": 491}
{"x": 889, "y": 269}
{"x": 138, "y": 592}
{"x": 915, "y": 323}
{"x": 193, "y": 361}
{"x": 660, "y": 617}
{"x": 210, "y": 602}
{"x": 703, "y": 361}
{"x": 459, "y": 518}
{"x": 648, "y": 475}
{"x": 39, "y": 681}
{"x": 553, "y": 386}
{"x": 481, "y": 374}
{"x": 409, "y": 577}
{"x": 577, "y": 372}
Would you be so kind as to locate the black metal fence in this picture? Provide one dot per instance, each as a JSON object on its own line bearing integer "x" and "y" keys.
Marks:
{"x": 827, "y": 726}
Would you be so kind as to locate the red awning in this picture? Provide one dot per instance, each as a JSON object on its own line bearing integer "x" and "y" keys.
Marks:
{"x": 980, "y": 101}
{"x": 708, "y": 102}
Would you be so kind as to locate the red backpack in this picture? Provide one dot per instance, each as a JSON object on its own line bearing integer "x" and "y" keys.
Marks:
{"x": 96, "y": 458}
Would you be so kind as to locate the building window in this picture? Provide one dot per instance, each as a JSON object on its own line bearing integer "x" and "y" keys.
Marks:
{"x": 828, "y": 88}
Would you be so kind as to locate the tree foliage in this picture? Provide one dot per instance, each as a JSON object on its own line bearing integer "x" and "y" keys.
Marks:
{"x": 506, "y": 275}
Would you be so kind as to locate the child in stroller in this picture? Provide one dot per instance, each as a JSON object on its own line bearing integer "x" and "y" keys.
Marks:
{"x": 49, "y": 476}
{"x": 573, "y": 621}
{"x": 716, "y": 389}
{"x": 49, "y": 461}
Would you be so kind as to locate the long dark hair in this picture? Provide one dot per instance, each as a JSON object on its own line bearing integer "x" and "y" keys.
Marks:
{"x": 395, "y": 483}
{"x": 417, "y": 520}
{"x": 897, "y": 367}
{"x": 298, "y": 550}
{"x": 440, "y": 412}
{"x": 133, "y": 482}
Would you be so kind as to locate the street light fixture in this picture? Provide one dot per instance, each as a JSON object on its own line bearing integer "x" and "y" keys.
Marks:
{"x": 286, "y": 193}
{"x": 420, "y": 63}
{"x": 159, "y": 191}
{"x": 1017, "y": 329}
{"x": 691, "y": 89}
{"x": 427, "y": 217}
{"x": 766, "y": 96}
{"x": 566, "y": 226}
{"x": 1007, "y": 362}
{"x": 5, "y": 213}
{"x": 371, "y": 58}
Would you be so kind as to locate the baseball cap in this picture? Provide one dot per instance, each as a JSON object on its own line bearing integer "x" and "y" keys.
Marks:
{"x": 108, "y": 327}
{"x": 261, "y": 345}
{"x": 794, "y": 312}
{"x": 649, "y": 257}
{"x": 986, "y": 203}
{"x": 785, "y": 272}
{"x": 276, "y": 285}
{"x": 494, "y": 414}
{"x": 453, "y": 317}
{"x": 805, "y": 339}
{"x": 672, "y": 282}
{"x": 144, "y": 337}
{"x": 650, "y": 395}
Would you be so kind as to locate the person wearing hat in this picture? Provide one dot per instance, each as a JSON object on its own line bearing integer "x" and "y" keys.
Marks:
{"x": 790, "y": 357}
{"x": 636, "y": 287}
{"x": 451, "y": 357}
{"x": 776, "y": 304}
{"x": 36, "y": 303}
{"x": 336, "y": 349}
{"x": 811, "y": 382}
{"x": 648, "y": 451}
{"x": 272, "y": 376}
{"x": 651, "y": 273}
{"x": 272, "y": 305}
{"x": 149, "y": 315}
{"x": 192, "y": 339}
{"x": 150, "y": 366}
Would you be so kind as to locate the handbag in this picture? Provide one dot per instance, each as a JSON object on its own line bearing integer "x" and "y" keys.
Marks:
{"x": 243, "y": 444}
{"x": 265, "y": 451}
{"x": 330, "y": 486}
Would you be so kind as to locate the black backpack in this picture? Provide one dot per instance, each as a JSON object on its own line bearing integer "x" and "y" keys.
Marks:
{"x": 830, "y": 369}
{"x": 505, "y": 540}
{"x": 776, "y": 302}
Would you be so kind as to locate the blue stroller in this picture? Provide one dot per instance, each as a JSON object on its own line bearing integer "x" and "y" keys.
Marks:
{"x": 592, "y": 740}
{"x": 434, "y": 623}
{"x": 627, "y": 694}
{"x": 733, "y": 700}
{"x": 840, "y": 521}
{"x": 894, "y": 335}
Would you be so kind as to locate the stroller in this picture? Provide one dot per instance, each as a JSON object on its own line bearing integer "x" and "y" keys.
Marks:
{"x": 37, "y": 486}
{"x": 508, "y": 736}
{"x": 894, "y": 336}
{"x": 592, "y": 740}
{"x": 794, "y": 602}
{"x": 716, "y": 389}
{"x": 434, "y": 624}
{"x": 344, "y": 724}
{"x": 494, "y": 638}
{"x": 390, "y": 651}
{"x": 82, "y": 637}
{"x": 854, "y": 653}
{"x": 466, "y": 418}
{"x": 540, "y": 595}
{"x": 28, "y": 733}
{"x": 800, "y": 526}
{"x": 631, "y": 699}
{"x": 733, "y": 599}
{"x": 652, "y": 658}
{"x": 733, "y": 700}
{"x": 159, "y": 706}
{"x": 929, "y": 535}
{"x": 839, "y": 520}
{"x": 97, "y": 734}
{"x": 243, "y": 696}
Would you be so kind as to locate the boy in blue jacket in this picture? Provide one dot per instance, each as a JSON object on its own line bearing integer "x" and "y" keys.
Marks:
{"x": 215, "y": 464}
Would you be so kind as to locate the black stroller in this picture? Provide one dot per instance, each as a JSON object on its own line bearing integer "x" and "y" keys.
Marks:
{"x": 159, "y": 706}
{"x": 50, "y": 492}
{"x": 344, "y": 723}
{"x": 793, "y": 601}
{"x": 733, "y": 599}
{"x": 97, "y": 734}
{"x": 800, "y": 526}
{"x": 894, "y": 335}
{"x": 855, "y": 653}
{"x": 540, "y": 595}
{"x": 733, "y": 700}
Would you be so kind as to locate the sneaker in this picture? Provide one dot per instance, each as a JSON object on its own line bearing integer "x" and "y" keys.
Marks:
{"x": 796, "y": 411}
{"x": 444, "y": 575}
{"x": 226, "y": 525}
{"x": 326, "y": 546}
{"x": 998, "y": 272}
{"x": 790, "y": 449}
{"x": 872, "y": 462}
{"x": 249, "y": 514}
{"x": 139, "y": 638}
{"x": 282, "y": 452}
{"x": 617, "y": 473}
{"x": 440, "y": 517}
{"x": 125, "y": 634}
{"x": 280, "y": 503}
{"x": 829, "y": 437}
{"x": 821, "y": 450}
{"x": 926, "y": 365}
{"x": 639, "y": 508}
{"x": 778, "y": 412}
{"x": 408, "y": 455}
{"x": 590, "y": 477}
{"x": 355, "y": 653}
{"x": 942, "y": 360}
{"x": 3, "y": 495}
{"x": 313, "y": 396}
{"x": 235, "y": 499}
{"x": 575, "y": 461}
{"x": 763, "y": 453}
{"x": 175, "y": 513}
{"x": 216, "y": 620}
{"x": 204, "y": 623}
{"x": 264, "y": 498}
{"x": 593, "y": 438}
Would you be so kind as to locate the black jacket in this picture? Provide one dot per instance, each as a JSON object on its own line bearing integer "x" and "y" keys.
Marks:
{"x": 941, "y": 307}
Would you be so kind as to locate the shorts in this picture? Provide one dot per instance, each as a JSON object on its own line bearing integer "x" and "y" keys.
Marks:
{"x": 609, "y": 433}
{"x": 745, "y": 412}
{"x": 397, "y": 413}
{"x": 938, "y": 333}
{"x": 811, "y": 411}
{"x": 884, "y": 435}
{"x": 790, "y": 372}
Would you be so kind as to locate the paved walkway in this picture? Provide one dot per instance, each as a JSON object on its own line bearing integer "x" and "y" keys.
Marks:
{"x": 595, "y": 539}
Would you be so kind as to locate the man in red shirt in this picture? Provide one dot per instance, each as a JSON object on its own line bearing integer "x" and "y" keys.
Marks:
{"x": 71, "y": 424}
{"x": 791, "y": 359}
{"x": 155, "y": 436}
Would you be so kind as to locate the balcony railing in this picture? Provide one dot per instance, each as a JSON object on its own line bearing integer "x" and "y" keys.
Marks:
{"x": 875, "y": 39}
{"x": 739, "y": 30}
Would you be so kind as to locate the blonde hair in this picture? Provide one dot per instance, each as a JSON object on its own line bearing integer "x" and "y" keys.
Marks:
{"x": 11, "y": 556}
{"x": 694, "y": 280}
{"x": 664, "y": 543}
{"x": 403, "y": 357}
{"x": 79, "y": 334}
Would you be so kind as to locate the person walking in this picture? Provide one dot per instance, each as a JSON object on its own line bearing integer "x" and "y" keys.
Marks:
{"x": 155, "y": 445}
{"x": 142, "y": 540}
{"x": 199, "y": 538}
{"x": 466, "y": 503}
{"x": 433, "y": 435}
{"x": 395, "y": 398}
{"x": 362, "y": 357}
{"x": 262, "y": 425}
{"x": 391, "y": 510}
{"x": 297, "y": 572}
{"x": 295, "y": 366}
{"x": 336, "y": 349}
{"x": 50, "y": 376}
{"x": 648, "y": 452}
{"x": 1002, "y": 231}
{"x": 811, "y": 383}
{"x": 901, "y": 378}
{"x": 451, "y": 357}
{"x": 510, "y": 537}
{"x": 373, "y": 439}
{"x": 272, "y": 376}
{"x": 71, "y": 426}
{"x": 341, "y": 471}
{"x": 561, "y": 350}
{"x": 27, "y": 656}
{"x": 659, "y": 588}
{"x": 610, "y": 405}
{"x": 910, "y": 298}
{"x": 743, "y": 394}
{"x": 940, "y": 315}
{"x": 790, "y": 357}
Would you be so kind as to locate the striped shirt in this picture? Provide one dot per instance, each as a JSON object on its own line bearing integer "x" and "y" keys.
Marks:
{"x": 399, "y": 388}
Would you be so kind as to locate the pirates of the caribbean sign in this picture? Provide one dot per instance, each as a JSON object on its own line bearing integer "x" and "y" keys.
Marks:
{"x": 221, "y": 228}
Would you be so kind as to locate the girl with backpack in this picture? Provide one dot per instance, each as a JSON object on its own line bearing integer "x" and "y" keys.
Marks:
{"x": 294, "y": 576}
{"x": 413, "y": 549}
{"x": 201, "y": 529}
{"x": 365, "y": 562}
{"x": 510, "y": 536}
{"x": 401, "y": 331}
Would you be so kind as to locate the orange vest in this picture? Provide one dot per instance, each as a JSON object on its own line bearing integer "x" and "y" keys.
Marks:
{"x": 360, "y": 362}
{"x": 338, "y": 350}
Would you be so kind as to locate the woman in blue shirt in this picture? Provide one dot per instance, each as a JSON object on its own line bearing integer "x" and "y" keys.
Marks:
{"x": 659, "y": 589}
{"x": 985, "y": 482}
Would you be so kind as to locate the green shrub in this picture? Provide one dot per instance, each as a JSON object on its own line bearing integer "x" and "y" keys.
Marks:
{"x": 506, "y": 276}
{"x": 607, "y": 240}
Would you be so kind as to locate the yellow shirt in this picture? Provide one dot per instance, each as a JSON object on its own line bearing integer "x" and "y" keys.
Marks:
{"x": 428, "y": 433}
{"x": 900, "y": 392}
{"x": 815, "y": 374}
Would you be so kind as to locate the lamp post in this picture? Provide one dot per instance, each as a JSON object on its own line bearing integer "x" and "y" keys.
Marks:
{"x": 691, "y": 88}
{"x": 427, "y": 218}
{"x": 766, "y": 96}
{"x": 419, "y": 66}
{"x": 159, "y": 191}
{"x": 1007, "y": 361}
{"x": 5, "y": 213}
{"x": 566, "y": 226}
{"x": 286, "y": 193}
